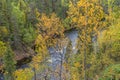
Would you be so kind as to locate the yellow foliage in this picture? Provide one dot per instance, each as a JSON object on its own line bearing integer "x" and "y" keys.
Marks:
{"x": 3, "y": 31}
{"x": 75, "y": 77}
{"x": 37, "y": 13}
{"x": 86, "y": 13}
{"x": 50, "y": 27}
{"x": 40, "y": 45}
{"x": 2, "y": 48}
{"x": 77, "y": 64}
{"x": 75, "y": 74}
{"x": 24, "y": 74}
{"x": 111, "y": 39}
{"x": 42, "y": 52}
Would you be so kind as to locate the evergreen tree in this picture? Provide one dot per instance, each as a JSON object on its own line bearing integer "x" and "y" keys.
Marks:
{"x": 9, "y": 64}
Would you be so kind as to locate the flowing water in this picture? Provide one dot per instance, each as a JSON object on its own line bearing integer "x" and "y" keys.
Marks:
{"x": 57, "y": 56}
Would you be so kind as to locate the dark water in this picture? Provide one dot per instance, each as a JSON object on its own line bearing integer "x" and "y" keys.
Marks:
{"x": 1, "y": 77}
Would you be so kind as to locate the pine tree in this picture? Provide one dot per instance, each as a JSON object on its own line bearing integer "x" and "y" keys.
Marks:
{"x": 9, "y": 64}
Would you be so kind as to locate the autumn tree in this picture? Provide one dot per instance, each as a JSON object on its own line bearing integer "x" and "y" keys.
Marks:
{"x": 87, "y": 17}
{"x": 109, "y": 42}
{"x": 71, "y": 63}
{"x": 50, "y": 27}
{"x": 23, "y": 74}
{"x": 40, "y": 60}
{"x": 2, "y": 48}
{"x": 34, "y": 26}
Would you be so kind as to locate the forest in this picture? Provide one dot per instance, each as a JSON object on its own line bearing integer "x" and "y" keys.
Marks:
{"x": 59, "y": 39}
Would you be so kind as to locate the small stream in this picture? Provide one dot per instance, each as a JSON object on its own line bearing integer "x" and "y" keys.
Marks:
{"x": 56, "y": 56}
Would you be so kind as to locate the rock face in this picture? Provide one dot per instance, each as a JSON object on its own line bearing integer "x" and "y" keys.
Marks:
{"x": 58, "y": 56}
